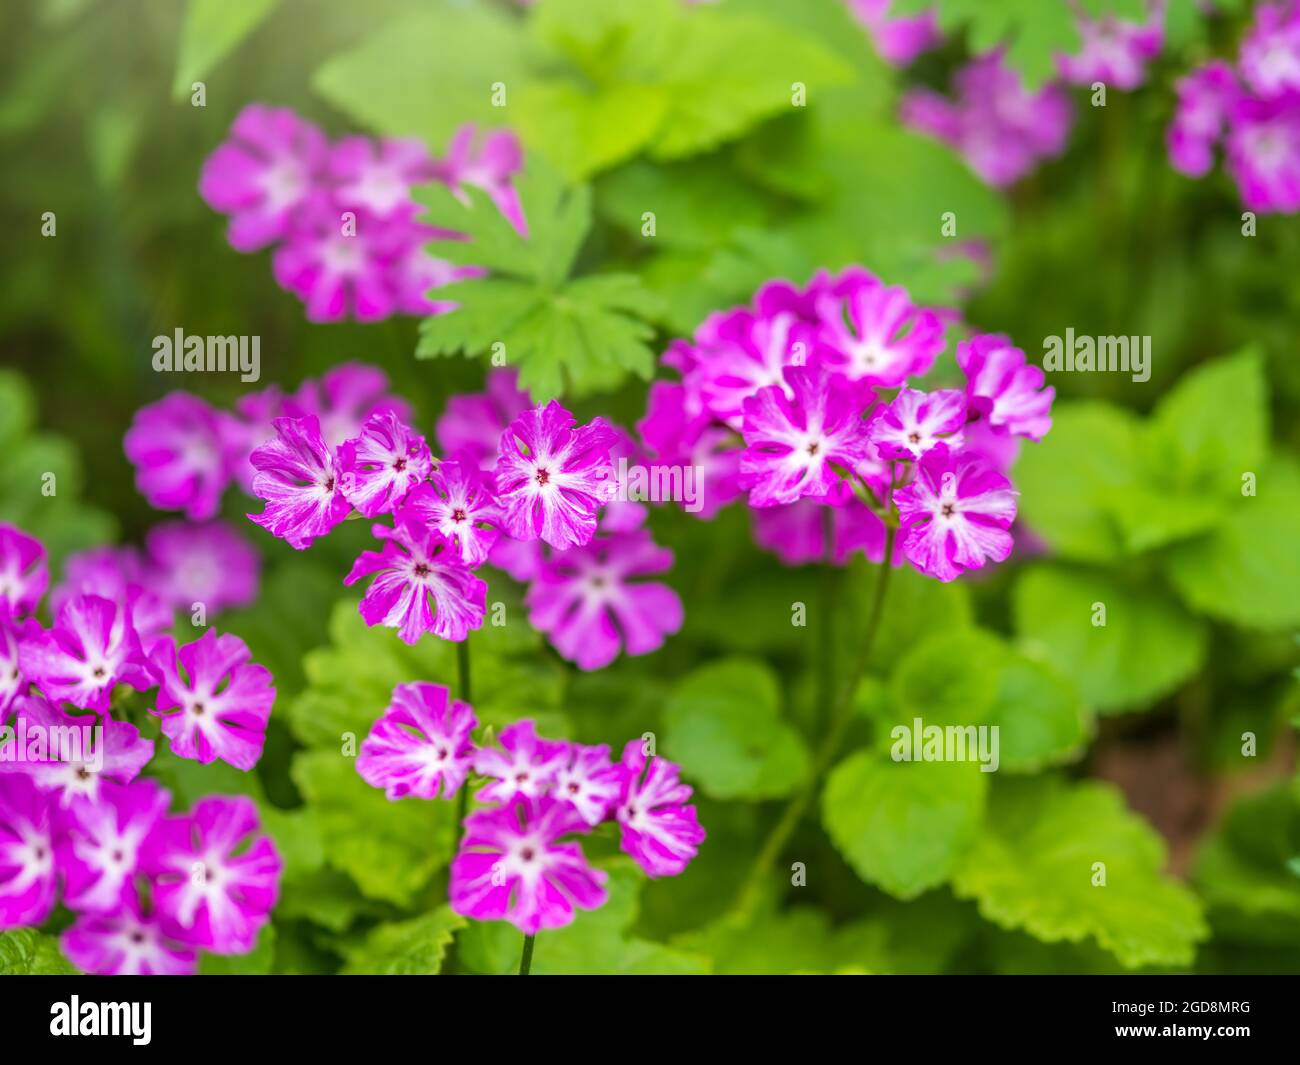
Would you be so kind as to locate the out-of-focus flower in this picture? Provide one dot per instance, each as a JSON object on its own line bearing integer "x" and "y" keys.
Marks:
{"x": 24, "y": 572}
{"x": 488, "y": 162}
{"x": 28, "y": 873}
{"x": 100, "y": 844}
{"x": 869, "y": 331}
{"x": 126, "y": 943}
{"x": 898, "y": 39}
{"x": 1114, "y": 52}
{"x": 473, "y": 422}
{"x": 184, "y": 454}
{"x": 206, "y": 563}
{"x": 1003, "y": 388}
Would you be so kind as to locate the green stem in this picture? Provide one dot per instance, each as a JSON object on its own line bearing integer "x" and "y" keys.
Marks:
{"x": 526, "y": 959}
{"x": 841, "y": 718}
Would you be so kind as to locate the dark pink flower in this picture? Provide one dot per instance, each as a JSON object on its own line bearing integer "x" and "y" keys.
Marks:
{"x": 593, "y": 601}
{"x": 343, "y": 400}
{"x": 796, "y": 532}
{"x": 100, "y": 844}
{"x": 916, "y": 423}
{"x": 1003, "y": 388}
{"x": 213, "y": 700}
{"x": 524, "y": 766}
{"x": 381, "y": 466}
{"x": 115, "y": 573}
{"x": 658, "y": 829}
{"x": 898, "y": 39}
{"x": 1205, "y": 99}
{"x": 209, "y": 564}
{"x": 488, "y": 162}
{"x": 740, "y": 352}
{"x": 589, "y": 781}
{"x": 474, "y": 421}
{"x": 1270, "y": 51}
{"x": 28, "y": 874}
{"x": 873, "y": 332}
{"x": 184, "y": 454}
{"x": 24, "y": 573}
{"x": 298, "y": 476}
{"x": 1113, "y": 51}
{"x": 460, "y": 505}
{"x": 126, "y": 943}
{"x": 1263, "y": 151}
{"x": 420, "y": 746}
{"x": 12, "y": 681}
{"x": 378, "y": 177}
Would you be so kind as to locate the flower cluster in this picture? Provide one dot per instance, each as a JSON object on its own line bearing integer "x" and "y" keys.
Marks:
{"x": 518, "y": 859}
{"x": 341, "y": 214}
{"x": 809, "y": 390}
{"x": 898, "y": 39}
{"x": 150, "y": 889}
{"x": 1252, "y": 110}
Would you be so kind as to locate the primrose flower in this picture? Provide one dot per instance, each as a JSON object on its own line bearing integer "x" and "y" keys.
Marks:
{"x": 214, "y": 878}
{"x": 512, "y": 867}
{"x": 420, "y": 584}
{"x": 872, "y": 332}
{"x": 552, "y": 477}
{"x": 298, "y": 476}
{"x": 955, "y": 514}
{"x": 115, "y": 573}
{"x": 898, "y": 39}
{"x": 473, "y": 422}
{"x": 523, "y": 766}
{"x": 12, "y": 681}
{"x": 694, "y": 444}
{"x": 460, "y": 505}
{"x": 378, "y": 177}
{"x": 1205, "y": 101}
{"x": 593, "y": 601}
{"x": 487, "y": 162}
{"x": 208, "y": 563}
{"x": 1263, "y": 150}
{"x": 740, "y": 353}
{"x": 796, "y": 532}
{"x": 128, "y": 942}
{"x": 916, "y": 423}
{"x": 793, "y": 437}
{"x": 92, "y": 647}
{"x": 1003, "y": 388}
{"x": 1113, "y": 51}
{"x": 420, "y": 746}
{"x": 28, "y": 874}
{"x": 213, "y": 701}
{"x": 382, "y": 465}
{"x": 183, "y": 454}
{"x": 100, "y": 844}
{"x": 589, "y": 781}
{"x": 1270, "y": 51}
{"x": 24, "y": 572}
{"x": 658, "y": 830}
{"x": 343, "y": 400}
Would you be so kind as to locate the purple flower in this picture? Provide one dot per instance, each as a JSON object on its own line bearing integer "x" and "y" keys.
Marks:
{"x": 524, "y": 766}
{"x": 511, "y": 867}
{"x": 694, "y": 444}
{"x": 214, "y": 702}
{"x": 263, "y": 174}
{"x": 209, "y": 564}
{"x": 460, "y": 506}
{"x": 12, "y": 681}
{"x": 214, "y": 879}
{"x": 1205, "y": 100}
{"x": 184, "y": 454}
{"x": 115, "y": 573}
{"x": 1264, "y": 153}
{"x": 28, "y": 875}
{"x": 589, "y": 781}
{"x": 916, "y": 423}
{"x": 955, "y": 515}
{"x": 873, "y": 332}
{"x": 487, "y": 162}
{"x": 420, "y": 746}
{"x": 792, "y": 439}
{"x": 344, "y": 399}
{"x": 899, "y": 40}
{"x": 1270, "y": 52}
{"x": 383, "y": 464}
{"x": 474, "y": 421}
{"x": 298, "y": 476}
{"x": 412, "y": 272}
{"x": 553, "y": 477}
{"x": 661, "y": 833}
{"x": 796, "y": 532}
{"x": 378, "y": 178}
{"x": 1004, "y": 389}
{"x": 126, "y": 943}
{"x": 420, "y": 585}
{"x": 24, "y": 573}
{"x": 72, "y": 756}
{"x": 100, "y": 844}
{"x": 92, "y": 647}
{"x": 521, "y": 559}
{"x": 592, "y": 601}
{"x": 1113, "y": 51}
{"x": 1002, "y": 130}
{"x": 739, "y": 353}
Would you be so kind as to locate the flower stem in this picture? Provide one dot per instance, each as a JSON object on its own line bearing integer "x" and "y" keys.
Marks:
{"x": 526, "y": 959}
{"x": 841, "y": 717}
{"x": 462, "y": 670}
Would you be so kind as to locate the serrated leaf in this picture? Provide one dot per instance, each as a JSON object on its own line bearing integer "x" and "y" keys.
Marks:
{"x": 27, "y": 952}
{"x": 405, "y": 948}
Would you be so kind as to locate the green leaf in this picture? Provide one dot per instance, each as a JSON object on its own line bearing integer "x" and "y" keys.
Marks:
{"x": 951, "y": 677}
{"x": 903, "y": 825}
{"x": 584, "y": 132}
{"x": 257, "y": 962}
{"x": 213, "y": 29}
{"x": 1147, "y": 647}
{"x": 1247, "y": 571}
{"x": 405, "y": 948}
{"x": 1034, "y": 867}
{"x": 723, "y": 725}
{"x": 27, "y": 952}
{"x": 798, "y": 940}
{"x": 389, "y": 848}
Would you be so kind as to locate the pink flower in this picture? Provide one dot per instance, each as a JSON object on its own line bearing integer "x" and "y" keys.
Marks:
{"x": 100, "y": 844}
{"x": 28, "y": 876}
{"x": 489, "y": 163}
{"x": 693, "y": 444}
{"x": 115, "y": 573}
{"x": 661, "y": 833}
{"x": 474, "y": 421}
{"x": 796, "y": 532}
{"x": 1004, "y": 389}
{"x": 420, "y": 585}
{"x": 263, "y": 174}
{"x": 589, "y": 781}
{"x": 739, "y": 353}
{"x": 1114, "y": 52}
{"x": 12, "y": 681}
{"x": 592, "y": 601}
{"x": 511, "y": 867}
{"x": 521, "y": 559}
{"x": 460, "y": 506}
{"x": 92, "y": 647}
{"x": 1270, "y": 52}
{"x": 183, "y": 454}
{"x": 378, "y": 178}
{"x": 955, "y": 513}
{"x": 420, "y": 746}
{"x": 214, "y": 702}
{"x": 1205, "y": 100}
{"x": 24, "y": 574}
{"x": 71, "y": 757}
{"x": 553, "y": 477}
{"x": 209, "y": 564}
{"x": 792, "y": 439}
{"x": 126, "y": 943}
{"x": 298, "y": 476}
{"x": 899, "y": 40}
{"x": 413, "y": 272}
{"x": 873, "y": 332}
{"x": 916, "y": 423}
{"x": 524, "y": 766}
{"x": 344, "y": 399}
{"x": 1264, "y": 153}
{"x": 382, "y": 465}
{"x": 214, "y": 879}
